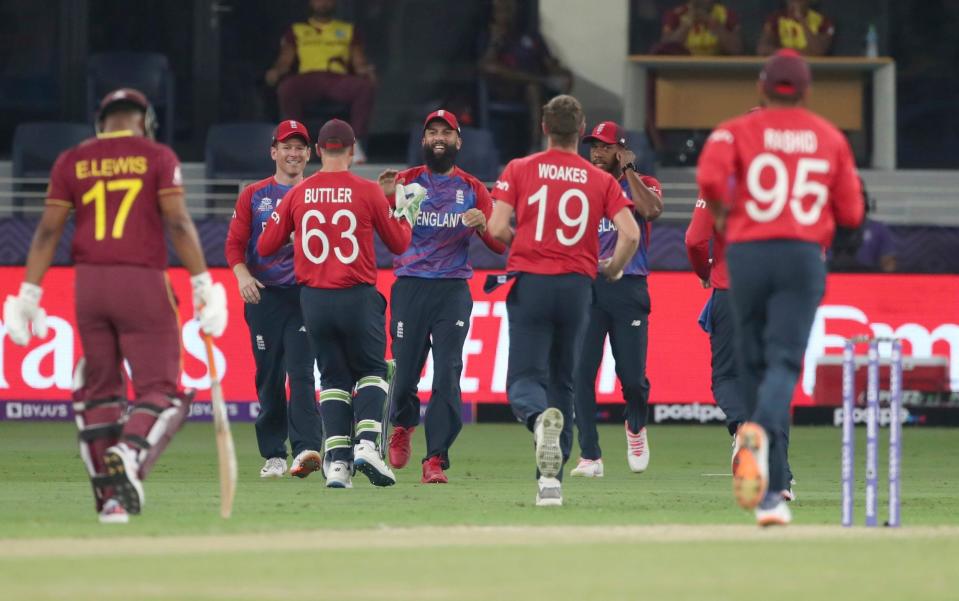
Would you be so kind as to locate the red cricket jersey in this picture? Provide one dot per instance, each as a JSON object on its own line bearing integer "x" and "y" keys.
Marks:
{"x": 700, "y": 231}
{"x": 783, "y": 174}
{"x": 559, "y": 199}
{"x": 114, "y": 183}
{"x": 332, "y": 216}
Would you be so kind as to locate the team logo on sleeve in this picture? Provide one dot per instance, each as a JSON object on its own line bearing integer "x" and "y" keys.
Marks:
{"x": 177, "y": 176}
{"x": 722, "y": 135}
{"x": 501, "y": 185}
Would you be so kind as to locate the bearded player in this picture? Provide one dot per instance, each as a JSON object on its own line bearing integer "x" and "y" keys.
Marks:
{"x": 430, "y": 303}
{"x": 620, "y": 310}
{"x": 124, "y": 190}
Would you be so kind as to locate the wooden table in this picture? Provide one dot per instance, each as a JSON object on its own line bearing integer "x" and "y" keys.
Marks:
{"x": 694, "y": 92}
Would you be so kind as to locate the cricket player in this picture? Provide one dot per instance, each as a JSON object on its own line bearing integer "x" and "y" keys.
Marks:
{"x": 124, "y": 190}
{"x": 716, "y": 320}
{"x": 430, "y": 303}
{"x": 778, "y": 182}
{"x": 332, "y": 216}
{"x": 620, "y": 310}
{"x": 558, "y": 199}
{"x": 267, "y": 285}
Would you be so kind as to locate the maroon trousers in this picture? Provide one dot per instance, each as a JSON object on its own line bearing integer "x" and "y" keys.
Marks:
{"x": 128, "y": 312}
{"x": 297, "y": 91}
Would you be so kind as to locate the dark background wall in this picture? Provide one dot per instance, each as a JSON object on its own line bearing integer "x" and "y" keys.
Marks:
{"x": 424, "y": 49}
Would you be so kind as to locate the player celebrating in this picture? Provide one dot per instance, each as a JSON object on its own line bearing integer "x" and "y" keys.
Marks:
{"x": 620, "y": 309}
{"x": 782, "y": 178}
{"x": 124, "y": 189}
{"x": 558, "y": 198}
{"x": 430, "y": 304}
{"x": 272, "y": 312}
{"x": 332, "y": 215}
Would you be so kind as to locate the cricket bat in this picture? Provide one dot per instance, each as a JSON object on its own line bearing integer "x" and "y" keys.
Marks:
{"x": 225, "y": 453}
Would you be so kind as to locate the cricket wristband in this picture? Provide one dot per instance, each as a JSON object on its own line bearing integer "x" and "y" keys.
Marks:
{"x": 31, "y": 293}
{"x": 201, "y": 280}
{"x": 629, "y": 166}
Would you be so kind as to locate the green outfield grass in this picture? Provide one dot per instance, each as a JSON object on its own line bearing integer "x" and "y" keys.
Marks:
{"x": 684, "y": 536}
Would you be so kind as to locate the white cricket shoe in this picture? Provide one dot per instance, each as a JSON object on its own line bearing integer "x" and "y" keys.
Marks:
{"x": 338, "y": 475}
{"x": 274, "y": 467}
{"x": 637, "y": 450}
{"x": 113, "y": 513}
{"x": 366, "y": 458}
{"x": 124, "y": 469}
{"x": 773, "y": 511}
{"x": 550, "y": 493}
{"x": 588, "y": 468}
{"x": 306, "y": 463}
{"x": 546, "y": 432}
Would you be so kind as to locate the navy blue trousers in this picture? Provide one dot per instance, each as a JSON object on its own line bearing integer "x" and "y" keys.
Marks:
{"x": 281, "y": 350}
{"x": 620, "y": 310}
{"x": 430, "y": 314}
{"x": 347, "y": 332}
{"x": 776, "y": 287}
{"x": 548, "y": 316}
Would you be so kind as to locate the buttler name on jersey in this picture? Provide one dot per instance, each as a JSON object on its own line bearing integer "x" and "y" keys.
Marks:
{"x": 331, "y": 195}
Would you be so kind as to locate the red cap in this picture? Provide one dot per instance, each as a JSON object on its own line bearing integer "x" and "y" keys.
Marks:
{"x": 125, "y": 95}
{"x": 607, "y": 132}
{"x": 785, "y": 74}
{"x": 335, "y": 134}
{"x": 444, "y": 116}
{"x": 288, "y": 129}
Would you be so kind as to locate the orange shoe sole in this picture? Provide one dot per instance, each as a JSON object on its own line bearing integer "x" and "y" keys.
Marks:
{"x": 307, "y": 467}
{"x": 749, "y": 482}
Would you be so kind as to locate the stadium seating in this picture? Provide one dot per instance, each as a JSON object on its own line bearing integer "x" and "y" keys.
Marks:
{"x": 36, "y": 146}
{"x": 238, "y": 151}
{"x": 146, "y": 71}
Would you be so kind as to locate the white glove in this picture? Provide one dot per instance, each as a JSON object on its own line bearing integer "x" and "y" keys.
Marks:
{"x": 209, "y": 304}
{"x": 22, "y": 313}
{"x": 409, "y": 197}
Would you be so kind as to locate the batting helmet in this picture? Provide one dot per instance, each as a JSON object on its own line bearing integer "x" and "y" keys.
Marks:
{"x": 126, "y": 98}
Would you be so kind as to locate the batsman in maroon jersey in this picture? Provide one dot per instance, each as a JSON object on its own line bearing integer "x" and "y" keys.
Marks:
{"x": 778, "y": 181}
{"x": 558, "y": 199}
{"x": 124, "y": 189}
{"x": 332, "y": 216}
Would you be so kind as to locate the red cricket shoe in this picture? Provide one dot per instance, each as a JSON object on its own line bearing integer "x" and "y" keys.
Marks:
{"x": 400, "y": 448}
{"x": 433, "y": 471}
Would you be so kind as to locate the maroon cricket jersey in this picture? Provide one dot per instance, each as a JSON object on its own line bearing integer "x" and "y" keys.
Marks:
{"x": 114, "y": 183}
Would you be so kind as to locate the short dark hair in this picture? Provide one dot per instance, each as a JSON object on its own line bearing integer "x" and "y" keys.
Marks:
{"x": 563, "y": 117}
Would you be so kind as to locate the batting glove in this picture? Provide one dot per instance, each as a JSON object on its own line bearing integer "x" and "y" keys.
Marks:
{"x": 209, "y": 304}
{"x": 409, "y": 197}
{"x": 22, "y": 314}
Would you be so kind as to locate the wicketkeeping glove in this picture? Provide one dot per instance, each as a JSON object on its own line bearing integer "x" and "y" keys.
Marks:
{"x": 409, "y": 197}
{"x": 22, "y": 313}
{"x": 209, "y": 304}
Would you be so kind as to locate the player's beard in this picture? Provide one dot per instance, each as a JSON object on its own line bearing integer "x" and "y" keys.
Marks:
{"x": 440, "y": 163}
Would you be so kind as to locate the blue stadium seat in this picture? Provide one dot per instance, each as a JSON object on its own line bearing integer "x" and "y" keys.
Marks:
{"x": 478, "y": 156}
{"x": 238, "y": 151}
{"x": 146, "y": 71}
{"x": 36, "y": 147}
